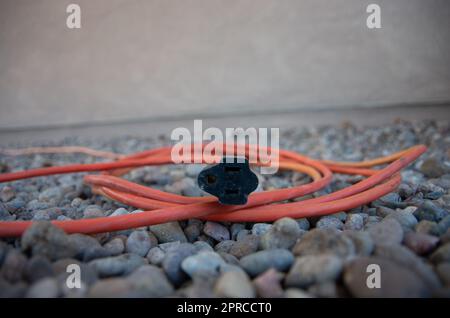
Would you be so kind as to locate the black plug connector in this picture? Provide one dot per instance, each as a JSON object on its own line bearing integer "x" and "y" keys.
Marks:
{"x": 231, "y": 181}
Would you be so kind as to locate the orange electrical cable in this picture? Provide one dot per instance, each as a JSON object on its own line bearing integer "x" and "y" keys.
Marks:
{"x": 263, "y": 206}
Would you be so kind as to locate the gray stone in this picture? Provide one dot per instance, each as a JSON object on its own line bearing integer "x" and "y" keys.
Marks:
{"x": 389, "y": 231}
{"x": 111, "y": 288}
{"x": 38, "y": 267}
{"x": 203, "y": 264}
{"x": 362, "y": 242}
{"x": 173, "y": 260}
{"x": 329, "y": 222}
{"x": 405, "y": 217}
{"x": 224, "y": 246}
{"x": 395, "y": 281}
{"x": 234, "y": 284}
{"x": 13, "y": 266}
{"x": 324, "y": 241}
{"x": 168, "y": 232}
{"x": 7, "y": 194}
{"x": 260, "y": 228}
{"x": 283, "y": 234}
{"x": 427, "y": 227}
{"x": 150, "y": 281}
{"x": 140, "y": 242}
{"x": 404, "y": 257}
{"x": 115, "y": 246}
{"x": 443, "y": 271}
{"x": 313, "y": 269}
{"x": 51, "y": 194}
{"x": 87, "y": 247}
{"x": 420, "y": 243}
{"x": 268, "y": 284}
{"x": 156, "y": 255}
{"x": 216, "y": 231}
{"x": 354, "y": 222}
{"x": 43, "y": 238}
{"x": 44, "y": 288}
{"x": 235, "y": 229}
{"x": 92, "y": 211}
{"x": 430, "y": 212}
{"x": 433, "y": 168}
{"x": 257, "y": 263}
{"x": 442, "y": 254}
{"x": 117, "y": 265}
{"x": 246, "y": 246}
{"x": 303, "y": 224}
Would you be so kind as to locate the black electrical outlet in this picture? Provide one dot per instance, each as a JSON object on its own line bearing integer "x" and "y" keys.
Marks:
{"x": 231, "y": 181}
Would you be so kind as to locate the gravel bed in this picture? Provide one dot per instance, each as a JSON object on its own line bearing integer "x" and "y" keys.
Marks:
{"x": 406, "y": 233}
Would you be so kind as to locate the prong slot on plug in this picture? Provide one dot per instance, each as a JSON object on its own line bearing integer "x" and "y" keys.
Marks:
{"x": 231, "y": 181}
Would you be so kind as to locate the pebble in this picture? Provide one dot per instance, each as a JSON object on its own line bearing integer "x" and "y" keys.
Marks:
{"x": 296, "y": 293}
{"x": 303, "y": 224}
{"x": 172, "y": 261}
{"x": 43, "y": 238}
{"x": 38, "y": 267}
{"x": 329, "y": 222}
{"x": 391, "y": 200}
{"x": 442, "y": 254}
{"x": 7, "y": 194}
{"x": 427, "y": 227}
{"x": 443, "y": 271}
{"x": 216, "y": 231}
{"x": 313, "y": 269}
{"x": 354, "y": 222}
{"x": 242, "y": 233}
{"x": 115, "y": 246}
{"x": 119, "y": 211}
{"x": 117, "y": 265}
{"x": 156, "y": 255}
{"x": 224, "y": 246}
{"x": 257, "y": 263}
{"x": 53, "y": 194}
{"x": 168, "y": 232}
{"x": 405, "y": 217}
{"x": 383, "y": 211}
{"x": 268, "y": 284}
{"x": 203, "y": 246}
{"x": 203, "y": 264}
{"x": 44, "y": 288}
{"x": 234, "y": 284}
{"x": 420, "y": 243}
{"x": 402, "y": 256}
{"x": 433, "y": 168}
{"x": 248, "y": 245}
{"x": 150, "y": 281}
{"x": 395, "y": 281}
{"x": 235, "y": 229}
{"x": 362, "y": 242}
{"x": 92, "y": 211}
{"x": 283, "y": 234}
{"x": 260, "y": 228}
{"x": 389, "y": 231}
{"x": 324, "y": 290}
{"x": 87, "y": 247}
{"x": 13, "y": 266}
{"x": 111, "y": 288}
{"x": 140, "y": 242}
{"x": 193, "y": 231}
{"x": 324, "y": 241}
{"x": 430, "y": 212}
{"x": 444, "y": 225}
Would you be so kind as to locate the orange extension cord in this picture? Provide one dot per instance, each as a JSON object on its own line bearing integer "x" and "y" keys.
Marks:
{"x": 164, "y": 207}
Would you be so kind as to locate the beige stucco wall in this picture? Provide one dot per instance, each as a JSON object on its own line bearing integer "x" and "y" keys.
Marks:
{"x": 159, "y": 59}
